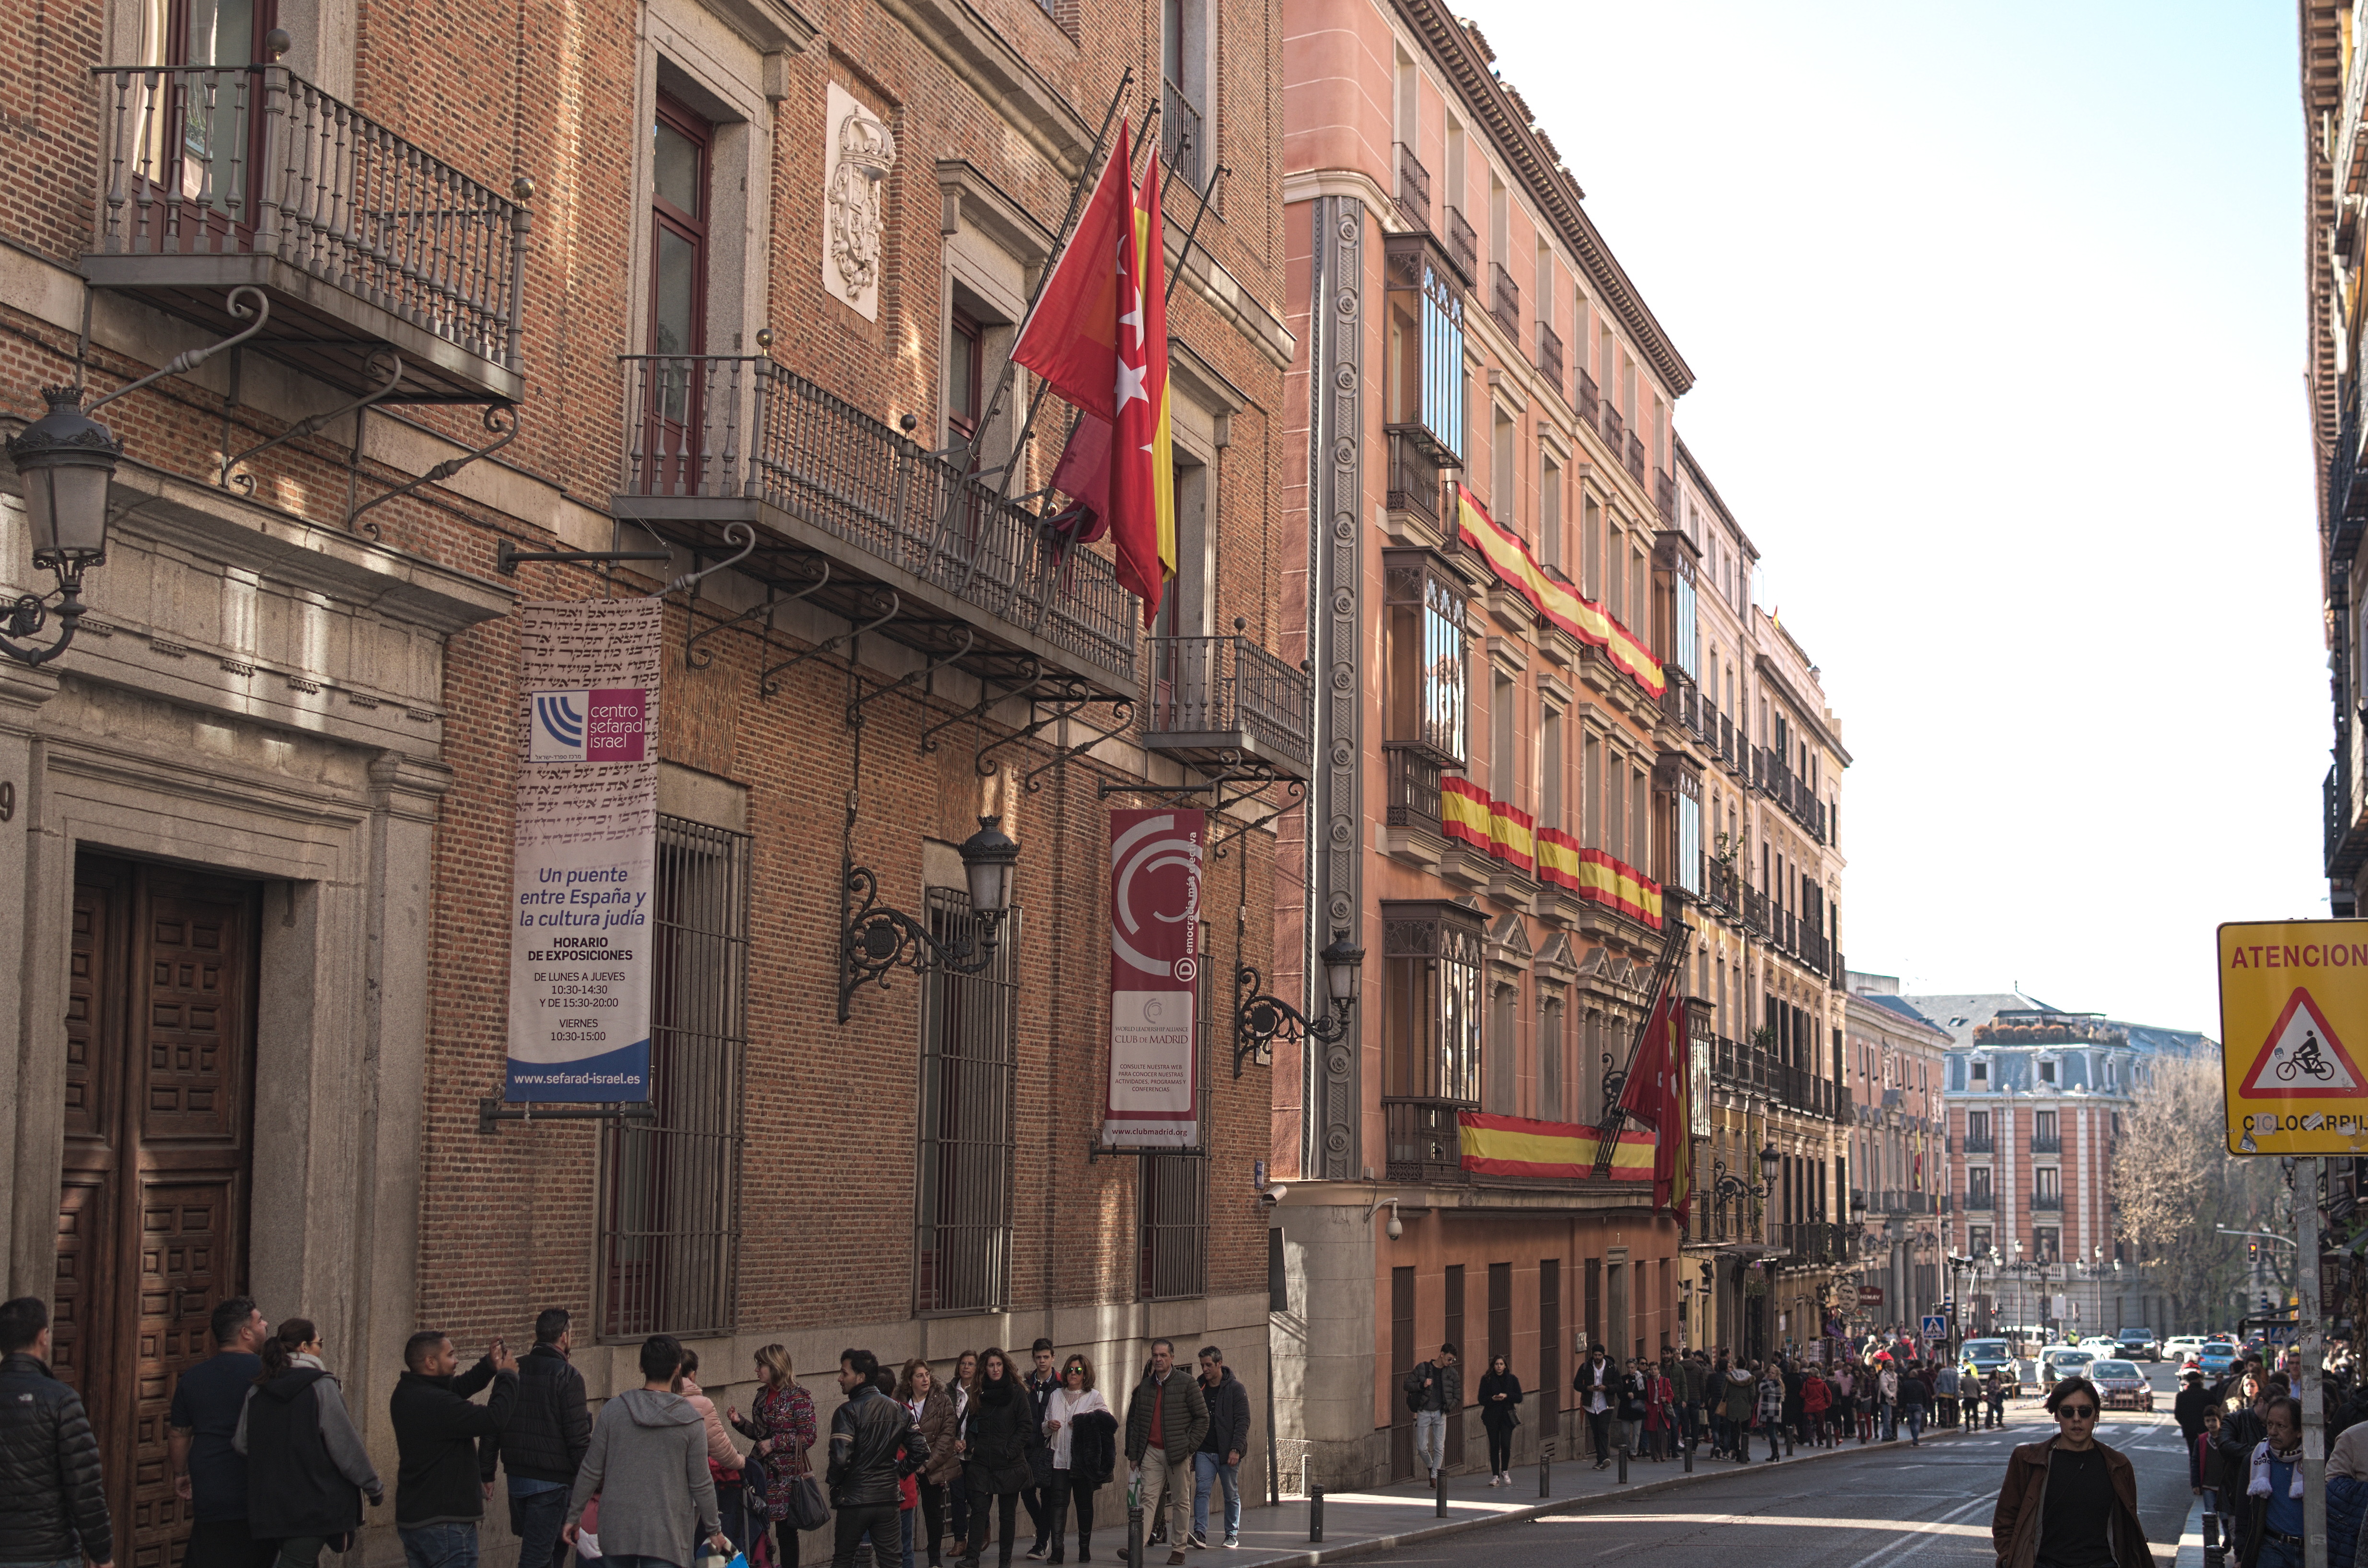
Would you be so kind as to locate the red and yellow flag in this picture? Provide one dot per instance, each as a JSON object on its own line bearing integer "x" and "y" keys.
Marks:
{"x": 1463, "y": 811}
{"x": 1520, "y": 1146}
{"x": 1657, "y": 1093}
{"x": 1558, "y": 857}
{"x": 1587, "y": 621}
{"x": 1625, "y": 888}
{"x": 1143, "y": 456}
{"x": 1511, "y": 837}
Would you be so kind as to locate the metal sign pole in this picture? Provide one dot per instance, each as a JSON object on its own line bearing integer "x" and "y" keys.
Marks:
{"x": 2314, "y": 1420}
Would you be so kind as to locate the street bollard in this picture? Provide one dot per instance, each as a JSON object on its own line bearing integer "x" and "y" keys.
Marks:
{"x": 1690, "y": 1457}
{"x": 2214, "y": 1553}
{"x": 1315, "y": 1513}
{"x": 1546, "y": 1459}
{"x": 1788, "y": 1442}
{"x": 1623, "y": 1464}
{"x": 1134, "y": 1534}
{"x": 1439, "y": 1480}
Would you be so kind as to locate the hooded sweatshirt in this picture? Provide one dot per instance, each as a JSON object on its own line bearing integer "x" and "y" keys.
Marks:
{"x": 306, "y": 1468}
{"x": 648, "y": 1465}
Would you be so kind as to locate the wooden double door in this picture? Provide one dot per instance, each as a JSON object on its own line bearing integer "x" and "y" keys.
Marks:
{"x": 153, "y": 1195}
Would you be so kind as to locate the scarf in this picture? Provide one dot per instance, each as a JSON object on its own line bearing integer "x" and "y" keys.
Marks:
{"x": 2258, "y": 1484}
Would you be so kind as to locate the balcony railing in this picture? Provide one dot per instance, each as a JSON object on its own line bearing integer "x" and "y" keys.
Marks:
{"x": 213, "y": 177}
{"x": 727, "y": 437}
{"x": 1550, "y": 355}
{"x": 1589, "y": 400}
{"x": 1180, "y": 135}
{"x": 1665, "y": 497}
{"x": 1635, "y": 458}
{"x": 2047, "y": 1143}
{"x": 1755, "y": 910}
{"x": 1720, "y": 885}
{"x": 1505, "y": 300}
{"x": 1615, "y": 430}
{"x": 1980, "y": 1144}
{"x": 1463, "y": 245}
{"x": 2047, "y": 1202}
{"x": 1414, "y": 188}
{"x": 1415, "y": 477}
{"x": 1414, "y": 786}
{"x": 1211, "y": 696}
{"x": 1424, "y": 1142}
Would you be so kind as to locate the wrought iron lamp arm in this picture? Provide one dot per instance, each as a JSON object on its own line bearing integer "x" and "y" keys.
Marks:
{"x": 1260, "y": 1019}
{"x": 877, "y": 940}
{"x": 27, "y": 613}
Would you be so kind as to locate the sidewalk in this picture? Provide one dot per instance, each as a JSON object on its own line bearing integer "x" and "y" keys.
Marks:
{"x": 1359, "y": 1522}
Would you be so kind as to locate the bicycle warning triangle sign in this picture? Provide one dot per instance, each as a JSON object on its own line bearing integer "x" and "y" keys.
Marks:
{"x": 2302, "y": 1060}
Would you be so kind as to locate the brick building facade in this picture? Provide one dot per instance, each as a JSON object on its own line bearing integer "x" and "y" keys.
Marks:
{"x": 681, "y": 265}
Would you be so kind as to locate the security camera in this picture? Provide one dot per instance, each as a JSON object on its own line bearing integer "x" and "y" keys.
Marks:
{"x": 1394, "y": 1230}
{"x": 1273, "y": 1193}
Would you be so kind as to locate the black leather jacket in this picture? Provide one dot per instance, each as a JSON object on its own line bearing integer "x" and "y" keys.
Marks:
{"x": 52, "y": 1507}
{"x": 873, "y": 1445}
{"x": 550, "y": 1429}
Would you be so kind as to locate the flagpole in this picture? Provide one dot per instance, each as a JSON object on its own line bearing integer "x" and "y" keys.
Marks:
{"x": 1193, "y": 232}
{"x": 1036, "y": 398}
{"x": 1043, "y": 276}
{"x": 1664, "y": 972}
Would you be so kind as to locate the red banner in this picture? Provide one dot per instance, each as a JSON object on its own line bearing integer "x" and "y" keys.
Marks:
{"x": 1155, "y": 1061}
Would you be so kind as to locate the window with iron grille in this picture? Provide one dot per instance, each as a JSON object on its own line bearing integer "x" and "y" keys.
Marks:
{"x": 670, "y": 1204}
{"x": 962, "y": 1240}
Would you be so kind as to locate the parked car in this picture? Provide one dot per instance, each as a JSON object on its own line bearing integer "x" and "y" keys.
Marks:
{"x": 2138, "y": 1344}
{"x": 2122, "y": 1384}
{"x": 2215, "y": 1357}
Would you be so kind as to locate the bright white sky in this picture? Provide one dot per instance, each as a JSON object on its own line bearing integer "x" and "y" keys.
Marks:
{"x": 1997, "y": 318}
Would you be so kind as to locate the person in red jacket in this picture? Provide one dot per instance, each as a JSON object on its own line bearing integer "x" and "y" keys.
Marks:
{"x": 1816, "y": 1400}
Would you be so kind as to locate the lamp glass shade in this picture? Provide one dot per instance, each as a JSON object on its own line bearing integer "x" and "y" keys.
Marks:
{"x": 1341, "y": 960}
{"x": 66, "y": 460}
{"x": 987, "y": 858}
{"x": 1769, "y": 1160}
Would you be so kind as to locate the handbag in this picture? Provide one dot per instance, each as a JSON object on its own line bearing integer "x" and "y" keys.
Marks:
{"x": 809, "y": 1509}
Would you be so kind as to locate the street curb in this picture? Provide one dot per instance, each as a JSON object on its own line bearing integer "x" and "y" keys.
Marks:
{"x": 1346, "y": 1550}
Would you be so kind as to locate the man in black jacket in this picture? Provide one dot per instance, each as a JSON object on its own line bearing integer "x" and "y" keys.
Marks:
{"x": 543, "y": 1445}
{"x": 440, "y": 1485}
{"x": 874, "y": 1446}
{"x": 2194, "y": 1402}
{"x": 1597, "y": 1383}
{"x": 1220, "y": 1456}
{"x": 1040, "y": 1382}
{"x": 52, "y": 1510}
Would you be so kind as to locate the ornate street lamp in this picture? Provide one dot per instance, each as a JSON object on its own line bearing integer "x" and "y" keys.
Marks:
{"x": 877, "y": 940}
{"x": 67, "y": 461}
{"x": 1260, "y": 1019}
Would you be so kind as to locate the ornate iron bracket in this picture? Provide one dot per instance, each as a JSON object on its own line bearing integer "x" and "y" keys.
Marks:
{"x": 1260, "y": 1019}
{"x": 741, "y": 534}
{"x": 854, "y": 708}
{"x": 313, "y": 423}
{"x": 27, "y": 613}
{"x": 1121, "y": 711}
{"x": 765, "y": 683}
{"x": 989, "y": 697}
{"x": 1295, "y": 792}
{"x": 449, "y": 466}
{"x": 692, "y": 659}
{"x": 242, "y": 299}
{"x": 874, "y": 940}
{"x": 1064, "y": 699}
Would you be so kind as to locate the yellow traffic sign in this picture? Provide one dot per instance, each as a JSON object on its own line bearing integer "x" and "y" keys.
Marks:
{"x": 2294, "y": 1034}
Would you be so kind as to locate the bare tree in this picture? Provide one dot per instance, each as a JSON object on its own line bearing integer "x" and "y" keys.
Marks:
{"x": 2176, "y": 1183}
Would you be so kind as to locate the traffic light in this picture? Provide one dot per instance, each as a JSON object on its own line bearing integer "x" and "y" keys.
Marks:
{"x": 2253, "y": 1254}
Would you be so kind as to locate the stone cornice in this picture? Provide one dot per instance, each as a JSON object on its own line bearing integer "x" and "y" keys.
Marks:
{"x": 1812, "y": 716}
{"x": 1002, "y": 76}
{"x": 1459, "y": 51}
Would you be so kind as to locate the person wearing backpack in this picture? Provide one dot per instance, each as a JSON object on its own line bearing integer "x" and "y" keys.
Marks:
{"x": 1433, "y": 1391}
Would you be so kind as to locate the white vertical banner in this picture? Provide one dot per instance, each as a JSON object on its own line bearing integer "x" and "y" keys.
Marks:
{"x": 1153, "y": 1093}
{"x": 586, "y": 870}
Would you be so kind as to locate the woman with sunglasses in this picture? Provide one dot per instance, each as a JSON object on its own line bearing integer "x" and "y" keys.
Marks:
{"x": 2071, "y": 1502}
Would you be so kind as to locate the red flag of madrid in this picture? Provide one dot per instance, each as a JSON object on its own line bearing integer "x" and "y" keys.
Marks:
{"x": 1071, "y": 337}
{"x": 1143, "y": 485}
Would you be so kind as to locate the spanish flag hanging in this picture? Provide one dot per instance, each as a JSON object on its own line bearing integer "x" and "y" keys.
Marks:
{"x": 1563, "y": 1151}
{"x": 1464, "y": 811}
{"x": 1510, "y": 559}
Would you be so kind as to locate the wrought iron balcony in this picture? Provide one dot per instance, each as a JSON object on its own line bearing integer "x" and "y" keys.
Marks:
{"x": 1414, "y": 776}
{"x": 1615, "y": 429}
{"x": 1505, "y": 300}
{"x": 1424, "y": 1142}
{"x": 2047, "y": 1202}
{"x": 1635, "y": 457}
{"x": 2047, "y": 1143}
{"x": 959, "y": 572}
{"x": 1415, "y": 482}
{"x": 1414, "y": 188}
{"x": 1462, "y": 245}
{"x": 1980, "y": 1144}
{"x": 214, "y": 178}
{"x": 1981, "y": 1198}
{"x": 1550, "y": 355}
{"x": 1665, "y": 497}
{"x": 1589, "y": 399}
{"x": 1219, "y": 698}
{"x": 1180, "y": 135}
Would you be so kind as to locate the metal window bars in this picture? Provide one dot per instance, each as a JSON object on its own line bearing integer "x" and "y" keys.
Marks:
{"x": 669, "y": 1235}
{"x": 253, "y": 160}
{"x": 1182, "y": 136}
{"x": 745, "y": 428}
{"x": 970, "y": 1060}
{"x": 1174, "y": 1260}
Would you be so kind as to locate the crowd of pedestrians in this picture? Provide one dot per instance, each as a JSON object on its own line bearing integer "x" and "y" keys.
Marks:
{"x": 262, "y": 1447}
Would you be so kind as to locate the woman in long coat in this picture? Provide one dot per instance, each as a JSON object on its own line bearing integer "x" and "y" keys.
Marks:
{"x": 998, "y": 1432}
{"x": 933, "y": 1413}
{"x": 782, "y": 1420}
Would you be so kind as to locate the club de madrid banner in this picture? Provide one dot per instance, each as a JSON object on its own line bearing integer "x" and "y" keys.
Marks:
{"x": 587, "y": 850}
{"x": 1154, "y": 1060}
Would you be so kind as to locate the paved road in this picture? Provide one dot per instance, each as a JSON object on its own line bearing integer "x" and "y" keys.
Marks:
{"x": 1886, "y": 1507}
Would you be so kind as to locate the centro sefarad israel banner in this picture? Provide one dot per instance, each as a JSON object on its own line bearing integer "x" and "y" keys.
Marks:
{"x": 1154, "y": 1060}
{"x": 587, "y": 850}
